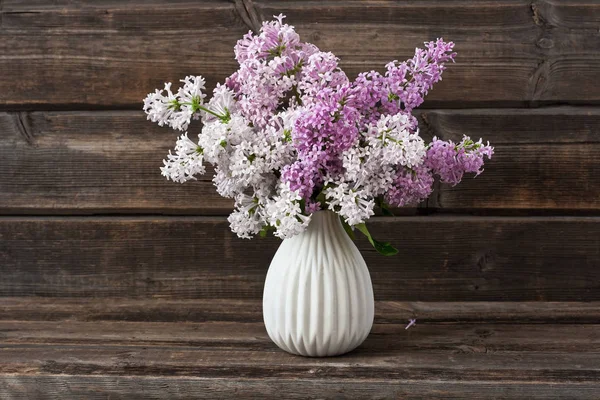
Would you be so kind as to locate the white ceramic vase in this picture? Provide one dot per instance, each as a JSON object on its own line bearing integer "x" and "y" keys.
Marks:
{"x": 318, "y": 297}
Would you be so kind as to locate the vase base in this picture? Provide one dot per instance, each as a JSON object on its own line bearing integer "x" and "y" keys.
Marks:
{"x": 324, "y": 348}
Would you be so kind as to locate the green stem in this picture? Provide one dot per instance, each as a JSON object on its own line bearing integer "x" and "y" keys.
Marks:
{"x": 206, "y": 110}
{"x": 211, "y": 112}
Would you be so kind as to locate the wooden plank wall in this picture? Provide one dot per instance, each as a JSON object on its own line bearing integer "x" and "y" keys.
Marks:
{"x": 85, "y": 212}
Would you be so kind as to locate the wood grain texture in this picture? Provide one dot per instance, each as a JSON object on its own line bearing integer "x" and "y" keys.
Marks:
{"x": 132, "y": 307}
{"x": 74, "y": 357}
{"x": 220, "y": 357}
{"x": 104, "y": 54}
{"x": 441, "y": 258}
{"x": 250, "y": 310}
{"x": 110, "y": 54}
{"x": 94, "y": 162}
{"x": 98, "y": 387}
{"x": 536, "y": 153}
{"x": 108, "y": 162}
{"x": 195, "y": 348}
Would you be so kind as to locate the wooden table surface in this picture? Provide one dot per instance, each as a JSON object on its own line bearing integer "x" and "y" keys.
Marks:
{"x": 116, "y": 284}
{"x": 158, "y": 349}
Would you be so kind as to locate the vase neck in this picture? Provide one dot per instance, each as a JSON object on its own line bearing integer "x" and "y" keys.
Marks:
{"x": 324, "y": 220}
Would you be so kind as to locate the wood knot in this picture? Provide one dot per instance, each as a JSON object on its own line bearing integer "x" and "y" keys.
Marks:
{"x": 545, "y": 43}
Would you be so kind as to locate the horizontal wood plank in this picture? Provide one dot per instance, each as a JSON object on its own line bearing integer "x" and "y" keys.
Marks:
{"x": 99, "y": 387}
{"x": 536, "y": 153}
{"x": 110, "y": 54}
{"x": 441, "y": 258}
{"x": 250, "y": 310}
{"x": 108, "y": 162}
{"x": 242, "y": 346}
{"x": 94, "y": 162}
{"x": 513, "y": 357}
{"x": 216, "y": 349}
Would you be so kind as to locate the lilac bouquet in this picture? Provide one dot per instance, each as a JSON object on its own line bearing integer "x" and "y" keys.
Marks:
{"x": 290, "y": 134}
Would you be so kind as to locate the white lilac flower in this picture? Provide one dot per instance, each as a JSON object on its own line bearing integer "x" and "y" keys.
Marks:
{"x": 285, "y": 120}
{"x": 222, "y": 104}
{"x": 189, "y": 99}
{"x": 367, "y": 168}
{"x": 160, "y": 107}
{"x": 192, "y": 90}
{"x": 180, "y": 119}
{"x": 400, "y": 145}
{"x": 284, "y": 213}
{"x": 225, "y": 184}
{"x": 218, "y": 136}
{"x": 386, "y": 147}
{"x": 248, "y": 161}
{"x": 246, "y": 220}
{"x": 352, "y": 205}
{"x": 213, "y": 140}
{"x": 176, "y": 110}
{"x": 280, "y": 133}
{"x": 266, "y": 188}
{"x": 185, "y": 163}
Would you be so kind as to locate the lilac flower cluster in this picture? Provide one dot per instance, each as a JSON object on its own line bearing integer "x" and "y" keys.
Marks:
{"x": 290, "y": 134}
{"x": 451, "y": 161}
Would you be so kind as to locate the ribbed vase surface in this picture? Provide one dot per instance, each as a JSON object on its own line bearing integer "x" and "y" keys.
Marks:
{"x": 318, "y": 297}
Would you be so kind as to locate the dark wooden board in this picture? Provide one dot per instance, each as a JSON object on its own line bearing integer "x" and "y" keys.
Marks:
{"x": 243, "y": 337}
{"x": 441, "y": 258}
{"x": 108, "y": 162}
{"x": 250, "y": 310}
{"x": 218, "y": 349}
{"x": 100, "y": 358}
{"x": 427, "y": 361}
{"x": 58, "y": 387}
{"x": 94, "y": 162}
{"x": 71, "y": 54}
{"x": 536, "y": 153}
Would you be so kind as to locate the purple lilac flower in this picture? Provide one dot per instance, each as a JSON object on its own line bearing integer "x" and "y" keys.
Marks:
{"x": 321, "y": 71}
{"x": 302, "y": 176}
{"x": 323, "y": 131}
{"x": 270, "y": 66}
{"x": 329, "y": 124}
{"x": 404, "y": 85}
{"x": 471, "y": 155}
{"x": 274, "y": 38}
{"x": 312, "y": 206}
{"x": 369, "y": 91}
{"x": 411, "y": 322}
{"x": 450, "y": 161}
{"x": 410, "y": 81}
{"x": 410, "y": 187}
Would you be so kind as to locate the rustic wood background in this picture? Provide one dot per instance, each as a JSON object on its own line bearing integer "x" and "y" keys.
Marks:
{"x": 86, "y": 213}
{"x": 115, "y": 283}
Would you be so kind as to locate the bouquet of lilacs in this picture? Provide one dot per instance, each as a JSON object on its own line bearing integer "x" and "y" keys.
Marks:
{"x": 290, "y": 134}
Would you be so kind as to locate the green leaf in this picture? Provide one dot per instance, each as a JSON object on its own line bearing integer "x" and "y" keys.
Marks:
{"x": 384, "y": 248}
{"x": 386, "y": 211}
{"x": 384, "y": 207}
{"x": 303, "y": 206}
{"x": 265, "y": 230}
{"x": 348, "y": 228}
